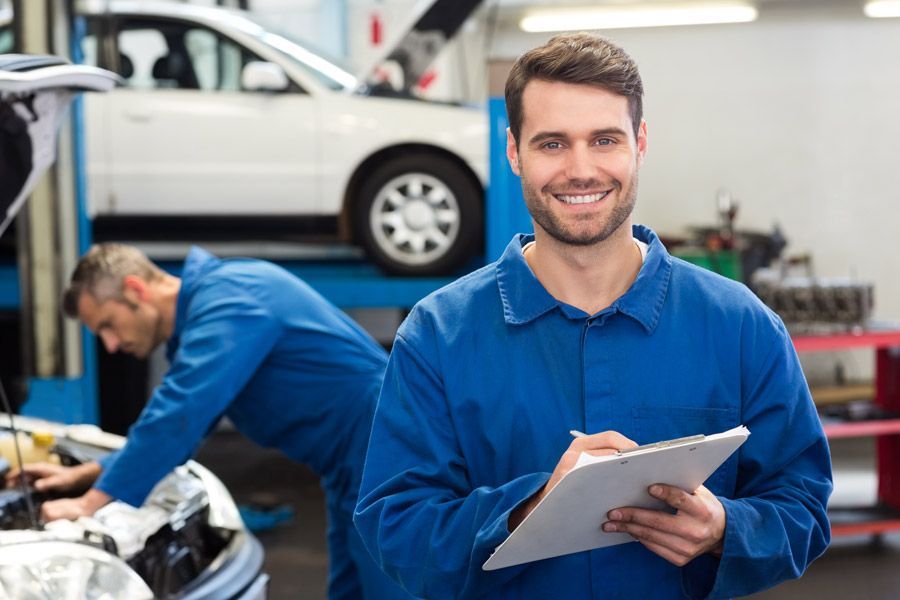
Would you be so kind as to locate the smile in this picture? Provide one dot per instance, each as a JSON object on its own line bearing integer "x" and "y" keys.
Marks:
{"x": 581, "y": 198}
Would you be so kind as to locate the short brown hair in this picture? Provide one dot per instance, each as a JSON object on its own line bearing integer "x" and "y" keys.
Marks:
{"x": 578, "y": 58}
{"x": 101, "y": 271}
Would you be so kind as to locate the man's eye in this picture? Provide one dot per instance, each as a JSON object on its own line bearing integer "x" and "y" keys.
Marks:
{"x": 552, "y": 146}
{"x": 604, "y": 142}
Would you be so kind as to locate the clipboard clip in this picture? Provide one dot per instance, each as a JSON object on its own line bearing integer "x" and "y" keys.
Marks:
{"x": 663, "y": 444}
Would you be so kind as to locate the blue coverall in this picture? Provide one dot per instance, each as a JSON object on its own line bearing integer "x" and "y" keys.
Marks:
{"x": 290, "y": 370}
{"x": 487, "y": 377}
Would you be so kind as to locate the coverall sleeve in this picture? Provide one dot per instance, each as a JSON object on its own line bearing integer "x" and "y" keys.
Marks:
{"x": 776, "y": 524}
{"x": 419, "y": 516}
{"x": 221, "y": 346}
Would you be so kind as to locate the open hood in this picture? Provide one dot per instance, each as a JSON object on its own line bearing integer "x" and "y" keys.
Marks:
{"x": 430, "y": 25}
{"x": 35, "y": 92}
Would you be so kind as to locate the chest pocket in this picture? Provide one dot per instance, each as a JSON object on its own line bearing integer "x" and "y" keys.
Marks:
{"x": 658, "y": 423}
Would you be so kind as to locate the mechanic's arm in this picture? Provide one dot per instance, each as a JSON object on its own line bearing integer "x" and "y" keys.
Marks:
{"x": 776, "y": 523}
{"x": 220, "y": 350}
{"x": 421, "y": 518}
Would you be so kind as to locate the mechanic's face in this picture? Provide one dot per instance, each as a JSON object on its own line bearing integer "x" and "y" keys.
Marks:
{"x": 130, "y": 324}
{"x": 578, "y": 159}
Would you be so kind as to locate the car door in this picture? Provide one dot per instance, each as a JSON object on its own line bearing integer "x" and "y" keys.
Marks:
{"x": 183, "y": 138}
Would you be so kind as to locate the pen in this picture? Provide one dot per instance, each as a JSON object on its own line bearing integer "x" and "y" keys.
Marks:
{"x": 577, "y": 434}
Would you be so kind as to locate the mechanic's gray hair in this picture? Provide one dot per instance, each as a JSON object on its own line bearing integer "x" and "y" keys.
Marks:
{"x": 101, "y": 271}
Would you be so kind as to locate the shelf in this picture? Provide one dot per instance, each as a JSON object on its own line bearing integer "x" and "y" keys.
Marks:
{"x": 841, "y": 394}
{"x": 872, "y": 520}
{"x": 861, "y": 428}
{"x": 844, "y": 341}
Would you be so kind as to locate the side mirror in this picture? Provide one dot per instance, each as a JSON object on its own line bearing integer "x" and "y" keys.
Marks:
{"x": 259, "y": 76}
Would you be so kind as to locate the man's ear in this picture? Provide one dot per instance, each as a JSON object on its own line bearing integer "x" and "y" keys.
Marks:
{"x": 135, "y": 289}
{"x": 512, "y": 152}
{"x": 642, "y": 142}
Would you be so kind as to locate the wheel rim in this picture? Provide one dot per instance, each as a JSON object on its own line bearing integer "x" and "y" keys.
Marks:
{"x": 415, "y": 218}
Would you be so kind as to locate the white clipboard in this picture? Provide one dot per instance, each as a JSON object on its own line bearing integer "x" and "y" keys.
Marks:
{"x": 569, "y": 518}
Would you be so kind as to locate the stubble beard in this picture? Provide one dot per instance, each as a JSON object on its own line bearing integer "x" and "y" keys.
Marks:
{"x": 149, "y": 332}
{"x": 576, "y": 236}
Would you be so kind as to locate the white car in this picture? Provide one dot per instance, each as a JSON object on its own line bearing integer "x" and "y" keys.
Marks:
{"x": 219, "y": 117}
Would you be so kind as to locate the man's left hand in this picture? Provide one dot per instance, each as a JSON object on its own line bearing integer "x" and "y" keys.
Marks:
{"x": 696, "y": 528}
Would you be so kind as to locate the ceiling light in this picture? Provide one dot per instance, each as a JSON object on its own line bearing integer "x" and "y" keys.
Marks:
{"x": 647, "y": 15}
{"x": 882, "y": 8}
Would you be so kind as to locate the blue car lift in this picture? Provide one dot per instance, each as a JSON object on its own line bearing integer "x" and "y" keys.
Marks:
{"x": 347, "y": 284}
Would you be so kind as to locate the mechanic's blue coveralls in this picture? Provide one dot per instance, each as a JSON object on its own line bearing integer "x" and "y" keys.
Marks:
{"x": 291, "y": 371}
{"x": 488, "y": 375}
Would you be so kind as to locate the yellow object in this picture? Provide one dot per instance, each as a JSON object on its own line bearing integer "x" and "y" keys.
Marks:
{"x": 34, "y": 448}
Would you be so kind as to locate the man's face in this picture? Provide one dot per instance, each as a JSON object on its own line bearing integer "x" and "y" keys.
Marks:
{"x": 129, "y": 324}
{"x": 578, "y": 159}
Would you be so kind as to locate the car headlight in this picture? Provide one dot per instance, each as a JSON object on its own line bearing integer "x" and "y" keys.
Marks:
{"x": 66, "y": 571}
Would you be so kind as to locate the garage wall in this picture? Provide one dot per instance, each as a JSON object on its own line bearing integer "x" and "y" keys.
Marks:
{"x": 796, "y": 114}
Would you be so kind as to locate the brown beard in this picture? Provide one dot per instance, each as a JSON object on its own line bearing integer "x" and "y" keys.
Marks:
{"x": 545, "y": 218}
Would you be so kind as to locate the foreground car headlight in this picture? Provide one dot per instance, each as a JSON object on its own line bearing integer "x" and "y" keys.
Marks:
{"x": 66, "y": 571}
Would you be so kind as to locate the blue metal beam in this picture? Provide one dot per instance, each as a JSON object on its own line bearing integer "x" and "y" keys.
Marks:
{"x": 9, "y": 287}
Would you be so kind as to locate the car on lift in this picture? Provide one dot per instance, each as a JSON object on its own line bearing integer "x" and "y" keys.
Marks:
{"x": 186, "y": 541}
{"x": 224, "y": 120}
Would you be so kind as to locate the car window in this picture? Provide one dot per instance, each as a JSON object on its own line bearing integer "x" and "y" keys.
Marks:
{"x": 6, "y": 40}
{"x": 89, "y": 50}
{"x": 6, "y": 34}
{"x": 168, "y": 54}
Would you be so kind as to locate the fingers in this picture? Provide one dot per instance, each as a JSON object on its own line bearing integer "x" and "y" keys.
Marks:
{"x": 698, "y": 526}
{"x": 66, "y": 508}
{"x": 43, "y": 476}
{"x": 51, "y": 483}
{"x": 670, "y": 546}
{"x": 11, "y": 479}
{"x": 601, "y": 443}
{"x": 678, "y": 534}
{"x": 696, "y": 504}
{"x": 31, "y": 472}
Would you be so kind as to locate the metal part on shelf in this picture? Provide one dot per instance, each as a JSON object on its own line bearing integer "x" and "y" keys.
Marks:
{"x": 813, "y": 300}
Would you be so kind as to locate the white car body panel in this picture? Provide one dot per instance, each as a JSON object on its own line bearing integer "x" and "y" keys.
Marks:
{"x": 244, "y": 154}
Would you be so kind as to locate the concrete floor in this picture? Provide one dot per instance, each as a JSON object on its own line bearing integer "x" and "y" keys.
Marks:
{"x": 297, "y": 562}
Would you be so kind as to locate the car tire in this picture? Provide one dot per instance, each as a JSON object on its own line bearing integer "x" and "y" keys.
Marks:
{"x": 419, "y": 215}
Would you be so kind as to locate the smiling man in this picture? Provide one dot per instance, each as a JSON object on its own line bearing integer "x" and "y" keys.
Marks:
{"x": 589, "y": 324}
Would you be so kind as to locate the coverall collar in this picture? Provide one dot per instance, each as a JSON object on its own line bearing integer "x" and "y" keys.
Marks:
{"x": 196, "y": 264}
{"x": 525, "y": 299}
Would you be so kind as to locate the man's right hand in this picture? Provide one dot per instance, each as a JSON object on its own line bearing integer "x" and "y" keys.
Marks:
{"x": 599, "y": 444}
{"x": 47, "y": 477}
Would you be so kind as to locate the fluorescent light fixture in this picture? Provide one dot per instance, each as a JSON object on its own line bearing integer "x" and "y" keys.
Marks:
{"x": 882, "y": 8}
{"x": 645, "y": 15}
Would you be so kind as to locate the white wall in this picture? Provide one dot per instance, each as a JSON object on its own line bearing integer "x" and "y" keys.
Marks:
{"x": 796, "y": 114}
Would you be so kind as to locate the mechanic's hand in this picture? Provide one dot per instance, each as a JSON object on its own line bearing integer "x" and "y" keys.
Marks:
{"x": 599, "y": 444}
{"x": 72, "y": 508}
{"x": 696, "y": 528}
{"x": 47, "y": 477}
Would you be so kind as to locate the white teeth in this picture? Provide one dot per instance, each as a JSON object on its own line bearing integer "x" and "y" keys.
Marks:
{"x": 583, "y": 199}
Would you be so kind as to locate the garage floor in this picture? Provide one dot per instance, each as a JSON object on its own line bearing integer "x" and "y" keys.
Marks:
{"x": 296, "y": 558}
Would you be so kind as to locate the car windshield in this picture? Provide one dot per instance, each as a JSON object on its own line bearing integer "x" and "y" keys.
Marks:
{"x": 326, "y": 69}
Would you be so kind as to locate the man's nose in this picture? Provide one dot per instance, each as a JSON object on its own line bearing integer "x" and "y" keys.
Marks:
{"x": 110, "y": 341}
{"x": 580, "y": 164}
